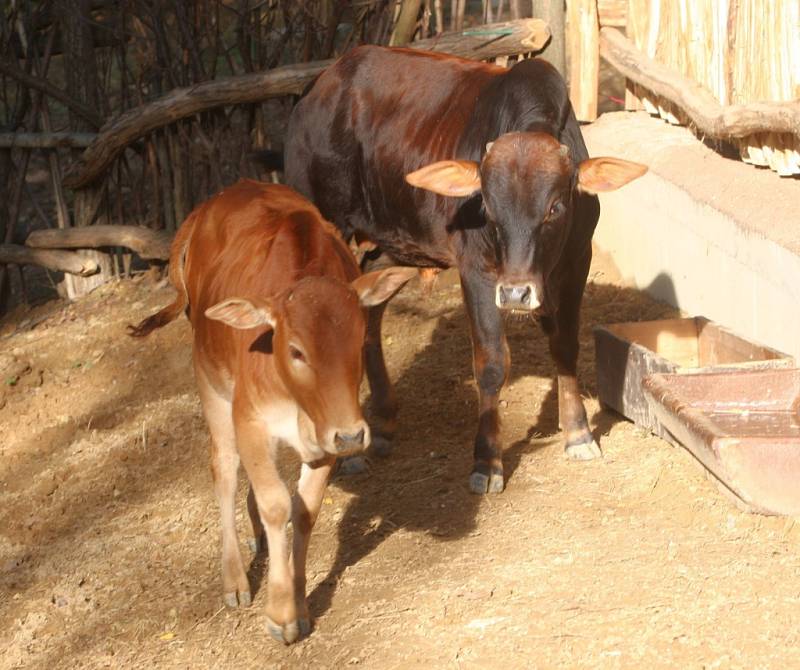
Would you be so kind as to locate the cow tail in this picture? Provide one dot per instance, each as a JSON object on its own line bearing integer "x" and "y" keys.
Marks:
{"x": 177, "y": 260}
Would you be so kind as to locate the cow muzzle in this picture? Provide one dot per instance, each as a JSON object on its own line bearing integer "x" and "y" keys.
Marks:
{"x": 517, "y": 296}
{"x": 348, "y": 443}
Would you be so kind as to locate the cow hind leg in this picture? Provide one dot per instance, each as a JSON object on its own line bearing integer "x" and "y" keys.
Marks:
{"x": 491, "y": 363}
{"x": 224, "y": 469}
{"x": 259, "y": 540}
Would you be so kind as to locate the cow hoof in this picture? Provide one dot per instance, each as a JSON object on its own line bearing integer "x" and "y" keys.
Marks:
{"x": 381, "y": 446}
{"x": 481, "y": 483}
{"x": 352, "y": 465}
{"x": 257, "y": 545}
{"x": 231, "y": 600}
{"x": 305, "y": 627}
{"x": 287, "y": 634}
{"x": 585, "y": 451}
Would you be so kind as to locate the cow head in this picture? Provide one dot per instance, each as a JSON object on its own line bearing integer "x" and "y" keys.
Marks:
{"x": 528, "y": 181}
{"x": 317, "y": 336}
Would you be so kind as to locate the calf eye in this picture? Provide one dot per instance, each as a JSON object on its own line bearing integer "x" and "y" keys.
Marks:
{"x": 296, "y": 354}
{"x": 556, "y": 210}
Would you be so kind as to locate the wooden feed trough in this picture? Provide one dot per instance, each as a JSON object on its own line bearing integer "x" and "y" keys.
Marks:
{"x": 626, "y": 353}
{"x": 743, "y": 426}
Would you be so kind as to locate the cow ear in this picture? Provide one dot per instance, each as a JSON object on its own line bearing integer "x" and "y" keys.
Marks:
{"x": 453, "y": 178}
{"x": 241, "y": 313}
{"x": 376, "y": 287}
{"x": 598, "y": 175}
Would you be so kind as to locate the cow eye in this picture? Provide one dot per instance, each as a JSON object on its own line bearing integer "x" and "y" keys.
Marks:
{"x": 296, "y": 354}
{"x": 556, "y": 210}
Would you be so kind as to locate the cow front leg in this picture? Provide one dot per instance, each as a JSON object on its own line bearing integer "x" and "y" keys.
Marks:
{"x": 305, "y": 509}
{"x": 384, "y": 401}
{"x": 491, "y": 362}
{"x": 274, "y": 507}
{"x": 563, "y": 332}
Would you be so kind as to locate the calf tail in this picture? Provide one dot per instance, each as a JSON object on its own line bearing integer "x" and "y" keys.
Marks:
{"x": 177, "y": 259}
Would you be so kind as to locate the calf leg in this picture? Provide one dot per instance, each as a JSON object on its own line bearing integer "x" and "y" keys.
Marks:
{"x": 274, "y": 507}
{"x": 259, "y": 534}
{"x": 491, "y": 362}
{"x": 306, "y": 505}
{"x": 224, "y": 469}
{"x": 563, "y": 339}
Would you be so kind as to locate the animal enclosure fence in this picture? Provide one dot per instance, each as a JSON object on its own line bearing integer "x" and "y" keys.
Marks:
{"x": 729, "y": 68}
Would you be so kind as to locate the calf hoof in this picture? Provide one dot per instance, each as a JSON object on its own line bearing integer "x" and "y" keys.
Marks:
{"x": 481, "y": 483}
{"x": 289, "y": 632}
{"x": 352, "y": 465}
{"x": 381, "y": 446}
{"x": 258, "y": 544}
{"x": 232, "y": 600}
{"x": 583, "y": 451}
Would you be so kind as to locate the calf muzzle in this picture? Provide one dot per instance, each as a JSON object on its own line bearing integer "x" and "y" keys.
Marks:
{"x": 348, "y": 443}
{"x": 517, "y": 296}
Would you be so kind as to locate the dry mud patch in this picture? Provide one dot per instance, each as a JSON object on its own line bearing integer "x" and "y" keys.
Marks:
{"x": 109, "y": 543}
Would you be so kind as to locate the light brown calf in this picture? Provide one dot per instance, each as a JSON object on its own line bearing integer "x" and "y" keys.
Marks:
{"x": 275, "y": 300}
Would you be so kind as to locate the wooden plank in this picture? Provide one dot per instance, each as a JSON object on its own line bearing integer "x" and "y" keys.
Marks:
{"x": 57, "y": 260}
{"x": 149, "y": 244}
{"x": 584, "y": 50}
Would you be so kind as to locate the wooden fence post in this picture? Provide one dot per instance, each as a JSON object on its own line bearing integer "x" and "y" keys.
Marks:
{"x": 584, "y": 62}
{"x": 552, "y": 13}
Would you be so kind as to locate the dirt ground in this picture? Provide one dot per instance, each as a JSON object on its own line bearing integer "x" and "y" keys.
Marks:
{"x": 109, "y": 541}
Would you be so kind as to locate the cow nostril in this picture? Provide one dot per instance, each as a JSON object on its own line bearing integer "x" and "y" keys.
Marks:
{"x": 526, "y": 296}
{"x": 351, "y": 439}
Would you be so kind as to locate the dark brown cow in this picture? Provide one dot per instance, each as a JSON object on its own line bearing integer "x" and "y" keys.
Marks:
{"x": 504, "y": 192}
{"x": 275, "y": 300}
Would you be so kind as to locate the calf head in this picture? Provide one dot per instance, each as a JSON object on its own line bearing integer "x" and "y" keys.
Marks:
{"x": 318, "y": 330}
{"x": 528, "y": 181}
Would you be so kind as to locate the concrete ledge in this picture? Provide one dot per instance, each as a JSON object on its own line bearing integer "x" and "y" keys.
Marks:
{"x": 712, "y": 236}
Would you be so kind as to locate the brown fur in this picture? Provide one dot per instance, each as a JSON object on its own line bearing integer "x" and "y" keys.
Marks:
{"x": 275, "y": 301}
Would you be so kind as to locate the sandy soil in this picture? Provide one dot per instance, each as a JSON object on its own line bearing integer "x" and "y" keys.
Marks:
{"x": 109, "y": 544}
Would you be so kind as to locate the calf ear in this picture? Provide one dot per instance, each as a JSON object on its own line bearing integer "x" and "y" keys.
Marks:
{"x": 376, "y": 287}
{"x": 597, "y": 175}
{"x": 241, "y": 313}
{"x": 453, "y": 178}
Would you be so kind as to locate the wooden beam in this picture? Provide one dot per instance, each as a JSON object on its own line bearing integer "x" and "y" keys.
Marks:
{"x": 11, "y": 70}
{"x": 46, "y": 140}
{"x": 147, "y": 243}
{"x": 584, "y": 50}
{"x": 552, "y": 13}
{"x": 711, "y": 118}
{"x": 57, "y": 260}
{"x": 483, "y": 42}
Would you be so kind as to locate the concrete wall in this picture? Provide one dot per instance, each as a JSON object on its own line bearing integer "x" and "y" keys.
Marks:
{"x": 710, "y": 235}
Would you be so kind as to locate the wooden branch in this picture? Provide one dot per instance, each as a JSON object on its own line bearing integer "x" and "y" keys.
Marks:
{"x": 46, "y": 140}
{"x": 8, "y": 68}
{"x": 149, "y": 244}
{"x": 696, "y": 101}
{"x": 52, "y": 259}
{"x": 483, "y": 42}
